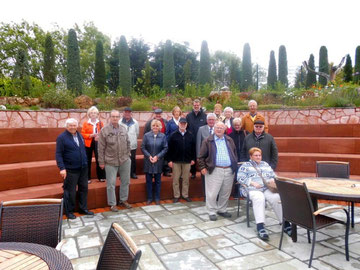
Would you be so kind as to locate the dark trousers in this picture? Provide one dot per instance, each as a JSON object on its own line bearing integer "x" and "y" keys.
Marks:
{"x": 193, "y": 169}
{"x": 75, "y": 178}
{"x": 100, "y": 173}
{"x": 149, "y": 186}
{"x": 133, "y": 162}
{"x": 203, "y": 185}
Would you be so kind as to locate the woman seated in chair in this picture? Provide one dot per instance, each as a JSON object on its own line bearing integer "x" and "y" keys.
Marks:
{"x": 252, "y": 175}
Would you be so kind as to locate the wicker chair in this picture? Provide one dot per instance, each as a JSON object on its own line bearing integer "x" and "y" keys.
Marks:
{"x": 119, "y": 251}
{"x": 298, "y": 209}
{"x": 34, "y": 221}
{"x": 335, "y": 169}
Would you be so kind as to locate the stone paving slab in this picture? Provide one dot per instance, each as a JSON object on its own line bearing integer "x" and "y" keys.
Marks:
{"x": 180, "y": 236}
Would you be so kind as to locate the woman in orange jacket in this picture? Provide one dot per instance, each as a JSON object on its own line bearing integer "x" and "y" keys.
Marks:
{"x": 90, "y": 131}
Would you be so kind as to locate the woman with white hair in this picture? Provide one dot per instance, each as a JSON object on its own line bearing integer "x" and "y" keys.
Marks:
{"x": 228, "y": 121}
{"x": 90, "y": 131}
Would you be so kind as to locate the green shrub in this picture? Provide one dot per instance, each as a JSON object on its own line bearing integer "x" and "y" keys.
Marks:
{"x": 106, "y": 104}
{"x": 34, "y": 108}
{"x": 58, "y": 98}
{"x": 141, "y": 105}
{"x": 14, "y": 107}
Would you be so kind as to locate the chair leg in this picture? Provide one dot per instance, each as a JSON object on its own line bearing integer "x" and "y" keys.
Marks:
{"x": 247, "y": 211}
{"x": 282, "y": 233}
{"x": 352, "y": 215}
{"x": 312, "y": 247}
{"x": 347, "y": 235}
{"x": 238, "y": 201}
{"x": 308, "y": 235}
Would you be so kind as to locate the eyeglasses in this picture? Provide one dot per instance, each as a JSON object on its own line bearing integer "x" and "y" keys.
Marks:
{"x": 258, "y": 126}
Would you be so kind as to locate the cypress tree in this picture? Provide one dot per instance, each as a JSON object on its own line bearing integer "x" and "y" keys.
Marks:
{"x": 99, "y": 76}
{"x": 348, "y": 69}
{"x": 114, "y": 68}
{"x": 205, "y": 65}
{"x": 147, "y": 78}
{"x": 168, "y": 68}
{"x": 247, "y": 80}
{"x": 272, "y": 77}
{"x": 323, "y": 64}
{"x": 73, "y": 77}
{"x": 311, "y": 76}
{"x": 357, "y": 65}
{"x": 49, "y": 60}
{"x": 124, "y": 67}
{"x": 283, "y": 67}
{"x": 187, "y": 71}
{"x": 21, "y": 71}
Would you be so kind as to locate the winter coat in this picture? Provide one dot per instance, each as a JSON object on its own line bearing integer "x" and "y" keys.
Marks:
{"x": 154, "y": 146}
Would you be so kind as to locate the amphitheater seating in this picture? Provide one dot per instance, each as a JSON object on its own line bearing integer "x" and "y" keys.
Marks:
{"x": 28, "y": 168}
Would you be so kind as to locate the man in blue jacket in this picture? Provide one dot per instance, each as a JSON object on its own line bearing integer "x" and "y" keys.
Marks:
{"x": 72, "y": 162}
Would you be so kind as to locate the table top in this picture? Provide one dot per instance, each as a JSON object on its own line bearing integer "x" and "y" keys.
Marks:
{"x": 333, "y": 188}
{"x": 18, "y": 255}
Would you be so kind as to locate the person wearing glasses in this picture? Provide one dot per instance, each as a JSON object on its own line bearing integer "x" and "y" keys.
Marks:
{"x": 260, "y": 139}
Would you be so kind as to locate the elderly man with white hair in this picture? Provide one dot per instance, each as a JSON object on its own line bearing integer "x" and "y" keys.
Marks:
{"x": 72, "y": 162}
{"x": 218, "y": 163}
{"x": 249, "y": 119}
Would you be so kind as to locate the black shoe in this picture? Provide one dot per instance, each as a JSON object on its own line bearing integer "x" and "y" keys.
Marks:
{"x": 133, "y": 176}
{"x": 263, "y": 235}
{"x": 157, "y": 202}
{"x": 187, "y": 199}
{"x": 148, "y": 202}
{"x": 86, "y": 212}
{"x": 167, "y": 174}
{"x": 175, "y": 200}
{"x": 213, "y": 217}
{"x": 193, "y": 176}
{"x": 288, "y": 230}
{"x": 71, "y": 216}
{"x": 225, "y": 214}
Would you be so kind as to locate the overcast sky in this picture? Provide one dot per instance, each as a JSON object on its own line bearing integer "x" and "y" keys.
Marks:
{"x": 302, "y": 26}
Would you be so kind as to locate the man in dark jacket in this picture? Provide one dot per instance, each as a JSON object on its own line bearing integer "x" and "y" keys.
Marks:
{"x": 195, "y": 119}
{"x": 218, "y": 162}
{"x": 72, "y": 161}
{"x": 181, "y": 155}
{"x": 260, "y": 139}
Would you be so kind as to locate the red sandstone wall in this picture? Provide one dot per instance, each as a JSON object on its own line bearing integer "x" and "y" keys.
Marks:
{"x": 54, "y": 119}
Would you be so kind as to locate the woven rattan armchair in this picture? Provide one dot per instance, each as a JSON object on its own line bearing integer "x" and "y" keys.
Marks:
{"x": 298, "y": 209}
{"x": 33, "y": 221}
{"x": 119, "y": 251}
{"x": 336, "y": 169}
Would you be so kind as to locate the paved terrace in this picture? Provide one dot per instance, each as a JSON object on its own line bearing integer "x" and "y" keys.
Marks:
{"x": 180, "y": 236}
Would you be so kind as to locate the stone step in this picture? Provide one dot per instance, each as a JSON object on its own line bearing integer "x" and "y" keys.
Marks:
{"x": 28, "y": 152}
{"x": 27, "y": 174}
{"x": 97, "y": 191}
{"x": 306, "y": 162}
{"x": 37, "y": 151}
{"x": 333, "y": 130}
{"x": 31, "y": 135}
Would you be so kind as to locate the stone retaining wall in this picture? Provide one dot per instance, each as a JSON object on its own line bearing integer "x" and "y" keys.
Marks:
{"x": 54, "y": 119}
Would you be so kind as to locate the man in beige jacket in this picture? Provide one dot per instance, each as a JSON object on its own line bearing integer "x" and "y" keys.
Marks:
{"x": 114, "y": 156}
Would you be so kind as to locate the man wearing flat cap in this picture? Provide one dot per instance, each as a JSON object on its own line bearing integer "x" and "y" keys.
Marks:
{"x": 132, "y": 127}
{"x": 158, "y": 116}
{"x": 260, "y": 139}
{"x": 181, "y": 155}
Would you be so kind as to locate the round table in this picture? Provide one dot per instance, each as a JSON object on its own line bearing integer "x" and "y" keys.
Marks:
{"x": 28, "y": 255}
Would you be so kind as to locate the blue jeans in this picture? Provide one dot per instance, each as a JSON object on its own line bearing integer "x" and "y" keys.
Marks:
{"x": 149, "y": 186}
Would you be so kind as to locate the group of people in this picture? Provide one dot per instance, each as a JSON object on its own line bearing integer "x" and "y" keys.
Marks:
{"x": 213, "y": 143}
